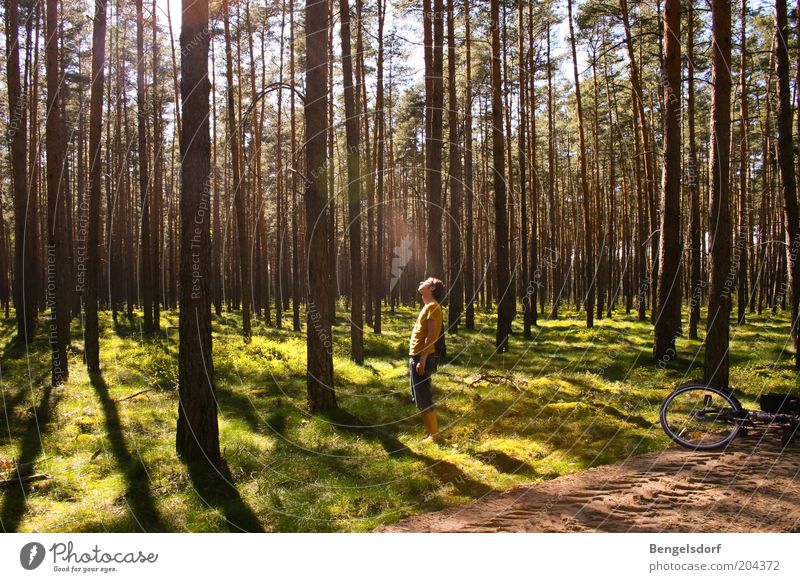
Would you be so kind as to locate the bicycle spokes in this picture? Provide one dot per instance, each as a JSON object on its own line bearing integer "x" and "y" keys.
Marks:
{"x": 700, "y": 417}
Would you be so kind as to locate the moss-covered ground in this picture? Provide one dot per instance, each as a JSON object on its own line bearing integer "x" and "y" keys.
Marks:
{"x": 568, "y": 399}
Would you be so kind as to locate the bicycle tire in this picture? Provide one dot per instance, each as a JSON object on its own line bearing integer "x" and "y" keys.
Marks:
{"x": 690, "y": 420}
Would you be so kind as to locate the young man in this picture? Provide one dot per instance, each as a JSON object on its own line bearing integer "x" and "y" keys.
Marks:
{"x": 423, "y": 351}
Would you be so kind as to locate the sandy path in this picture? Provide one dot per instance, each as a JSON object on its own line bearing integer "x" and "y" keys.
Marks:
{"x": 753, "y": 486}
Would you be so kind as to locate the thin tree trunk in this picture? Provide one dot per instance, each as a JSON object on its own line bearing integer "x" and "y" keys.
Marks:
{"x": 455, "y": 176}
{"x": 469, "y": 258}
{"x": 587, "y": 220}
{"x": 692, "y": 174}
{"x": 145, "y": 250}
{"x": 239, "y": 192}
{"x": 505, "y": 294}
{"x": 380, "y": 125}
{"x": 158, "y": 183}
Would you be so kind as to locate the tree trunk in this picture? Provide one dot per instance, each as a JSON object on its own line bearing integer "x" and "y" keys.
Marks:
{"x": 716, "y": 366}
{"x": 238, "y": 192}
{"x": 91, "y": 334}
{"x": 145, "y": 250}
{"x": 26, "y": 244}
{"x": 505, "y": 294}
{"x": 380, "y": 129}
{"x": 555, "y": 262}
{"x": 455, "y": 176}
{"x": 667, "y": 325}
{"x": 352, "y": 116}
{"x": 469, "y": 273}
{"x": 434, "y": 92}
{"x": 158, "y": 183}
{"x": 646, "y": 190}
{"x": 696, "y": 284}
{"x": 58, "y": 251}
{"x": 787, "y": 169}
{"x": 197, "y": 435}
{"x": 319, "y": 377}
{"x": 587, "y": 220}
{"x": 528, "y": 293}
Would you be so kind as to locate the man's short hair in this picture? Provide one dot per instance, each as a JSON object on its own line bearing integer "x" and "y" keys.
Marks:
{"x": 437, "y": 288}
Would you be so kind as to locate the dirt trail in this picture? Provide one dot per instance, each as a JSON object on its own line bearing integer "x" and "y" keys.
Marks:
{"x": 753, "y": 486}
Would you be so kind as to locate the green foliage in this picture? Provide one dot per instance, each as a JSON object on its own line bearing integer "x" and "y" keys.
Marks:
{"x": 570, "y": 399}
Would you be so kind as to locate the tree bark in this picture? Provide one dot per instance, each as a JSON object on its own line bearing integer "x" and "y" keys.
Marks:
{"x": 787, "y": 169}
{"x": 696, "y": 284}
{"x": 91, "y": 333}
{"x": 352, "y": 116}
{"x": 434, "y": 92}
{"x": 239, "y": 192}
{"x": 26, "y": 245}
{"x": 469, "y": 259}
{"x": 587, "y": 220}
{"x": 716, "y": 365}
{"x": 145, "y": 250}
{"x": 58, "y": 251}
{"x": 197, "y": 435}
{"x": 667, "y": 325}
{"x": 380, "y": 129}
{"x": 158, "y": 183}
{"x": 505, "y": 294}
{"x": 455, "y": 177}
{"x": 319, "y": 376}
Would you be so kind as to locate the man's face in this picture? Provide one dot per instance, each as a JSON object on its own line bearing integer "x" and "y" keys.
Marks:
{"x": 424, "y": 285}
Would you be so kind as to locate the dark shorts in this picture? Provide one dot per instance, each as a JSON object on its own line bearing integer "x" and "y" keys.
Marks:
{"x": 421, "y": 390}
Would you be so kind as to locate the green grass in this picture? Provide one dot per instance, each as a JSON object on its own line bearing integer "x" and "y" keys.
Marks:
{"x": 569, "y": 399}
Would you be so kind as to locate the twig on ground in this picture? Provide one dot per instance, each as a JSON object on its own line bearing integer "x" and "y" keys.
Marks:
{"x": 27, "y": 479}
{"x": 135, "y": 395}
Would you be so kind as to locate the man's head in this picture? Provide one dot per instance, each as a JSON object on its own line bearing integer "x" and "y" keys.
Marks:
{"x": 431, "y": 288}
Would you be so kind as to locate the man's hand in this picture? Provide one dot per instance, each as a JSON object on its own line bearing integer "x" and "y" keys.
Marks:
{"x": 421, "y": 367}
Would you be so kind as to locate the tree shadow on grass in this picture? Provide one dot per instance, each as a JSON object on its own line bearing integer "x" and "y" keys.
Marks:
{"x": 447, "y": 473}
{"x": 15, "y": 501}
{"x": 138, "y": 496}
{"x": 215, "y": 486}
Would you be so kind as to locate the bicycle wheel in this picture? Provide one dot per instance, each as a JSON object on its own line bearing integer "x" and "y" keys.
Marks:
{"x": 701, "y": 417}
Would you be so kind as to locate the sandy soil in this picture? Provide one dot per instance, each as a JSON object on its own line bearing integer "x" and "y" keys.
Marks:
{"x": 753, "y": 486}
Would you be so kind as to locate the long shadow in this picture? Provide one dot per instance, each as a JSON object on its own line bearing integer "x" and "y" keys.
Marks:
{"x": 239, "y": 406}
{"x": 215, "y": 486}
{"x": 15, "y": 501}
{"x": 447, "y": 472}
{"x": 138, "y": 496}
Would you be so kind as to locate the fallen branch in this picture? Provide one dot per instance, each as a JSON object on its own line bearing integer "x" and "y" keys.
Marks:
{"x": 28, "y": 479}
{"x": 497, "y": 378}
{"x": 134, "y": 395}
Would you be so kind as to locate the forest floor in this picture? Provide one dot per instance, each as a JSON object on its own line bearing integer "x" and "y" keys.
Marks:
{"x": 752, "y": 486}
{"x": 567, "y": 400}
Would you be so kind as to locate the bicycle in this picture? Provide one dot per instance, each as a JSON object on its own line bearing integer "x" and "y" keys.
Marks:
{"x": 704, "y": 418}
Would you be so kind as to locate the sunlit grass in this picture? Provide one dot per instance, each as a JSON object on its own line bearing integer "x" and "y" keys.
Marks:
{"x": 568, "y": 399}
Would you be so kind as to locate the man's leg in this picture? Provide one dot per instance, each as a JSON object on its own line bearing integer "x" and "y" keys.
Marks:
{"x": 423, "y": 398}
{"x": 430, "y": 422}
